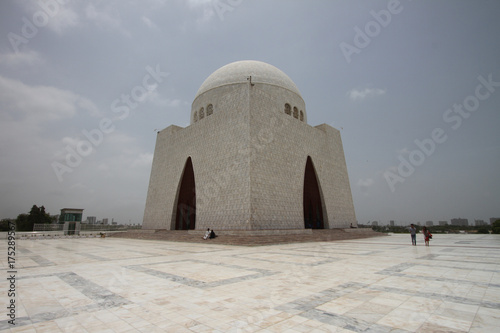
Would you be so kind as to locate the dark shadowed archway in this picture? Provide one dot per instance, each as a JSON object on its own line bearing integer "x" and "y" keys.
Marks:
{"x": 313, "y": 209}
{"x": 185, "y": 217}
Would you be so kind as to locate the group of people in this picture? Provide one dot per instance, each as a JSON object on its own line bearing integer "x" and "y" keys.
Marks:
{"x": 413, "y": 232}
{"x": 209, "y": 234}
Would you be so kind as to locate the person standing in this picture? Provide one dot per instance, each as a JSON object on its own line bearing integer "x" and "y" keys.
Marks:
{"x": 427, "y": 235}
{"x": 413, "y": 233}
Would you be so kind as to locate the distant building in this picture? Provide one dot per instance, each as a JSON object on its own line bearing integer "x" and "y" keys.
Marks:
{"x": 494, "y": 219}
{"x": 391, "y": 223}
{"x": 443, "y": 222}
{"x": 71, "y": 217}
{"x": 91, "y": 219}
{"x": 429, "y": 223}
{"x": 479, "y": 222}
{"x": 105, "y": 221}
{"x": 460, "y": 221}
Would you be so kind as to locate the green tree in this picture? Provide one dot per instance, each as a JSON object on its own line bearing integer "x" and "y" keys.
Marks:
{"x": 34, "y": 216}
{"x": 483, "y": 230}
{"x": 22, "y": 223}
{"x": 25, "y": 222}
{"x": 496, "y": 227}
{"x": 4, "y": 225}
{"x": 44, "y": 217}
{"x": 38, "y": 215}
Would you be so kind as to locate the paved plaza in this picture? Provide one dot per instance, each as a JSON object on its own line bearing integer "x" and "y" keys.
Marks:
{"x": 380, "y": 284}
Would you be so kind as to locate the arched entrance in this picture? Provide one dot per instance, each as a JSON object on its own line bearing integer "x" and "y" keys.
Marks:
{"x": 185, "y": 217}
{"x": 313, "y": 209}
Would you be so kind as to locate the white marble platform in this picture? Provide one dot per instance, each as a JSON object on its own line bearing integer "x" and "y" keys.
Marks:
{"x": 378, "y": 284}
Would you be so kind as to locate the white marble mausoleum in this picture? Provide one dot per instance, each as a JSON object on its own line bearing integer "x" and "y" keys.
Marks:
{"x": 249, "y": 160}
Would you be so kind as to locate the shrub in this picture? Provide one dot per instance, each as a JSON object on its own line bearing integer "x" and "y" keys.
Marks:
{"x": 483, "y": 230}
{"x": 496, "y": 227}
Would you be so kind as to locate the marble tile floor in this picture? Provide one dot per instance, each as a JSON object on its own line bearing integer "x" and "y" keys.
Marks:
{"x": 380, "y": 284}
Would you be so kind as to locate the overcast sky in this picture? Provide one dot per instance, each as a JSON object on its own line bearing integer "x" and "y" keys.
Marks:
{"x": 413, "y": 86}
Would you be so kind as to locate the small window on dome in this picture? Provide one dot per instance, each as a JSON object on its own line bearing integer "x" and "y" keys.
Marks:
{"x": 288, "y": 109}
{"x": 301, "y": 115}
{"x": 210, "y": 109}
{"x": 202, "y": 113}
{"x": 295, "y": 112}
{"x": 195, "y": 116}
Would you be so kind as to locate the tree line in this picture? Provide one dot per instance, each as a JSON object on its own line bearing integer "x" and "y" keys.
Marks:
{"x": 25, "y": 222}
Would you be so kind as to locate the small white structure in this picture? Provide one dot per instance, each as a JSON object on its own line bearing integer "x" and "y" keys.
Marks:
{"x": 71, "y": 217}
{"x": 249, "y": 160}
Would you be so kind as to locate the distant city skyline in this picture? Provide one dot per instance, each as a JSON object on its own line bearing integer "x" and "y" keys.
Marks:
{"x": 488, "y": 221}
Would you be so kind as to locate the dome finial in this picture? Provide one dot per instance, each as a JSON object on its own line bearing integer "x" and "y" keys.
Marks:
{"x": 250, "y": 79}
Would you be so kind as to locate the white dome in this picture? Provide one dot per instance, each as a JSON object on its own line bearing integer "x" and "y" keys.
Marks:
{"x": 239, "y": 71}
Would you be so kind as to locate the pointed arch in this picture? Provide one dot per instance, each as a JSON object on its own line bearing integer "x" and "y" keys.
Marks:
{"x": 313, "y": 203}
{"x": 185, "y": 203}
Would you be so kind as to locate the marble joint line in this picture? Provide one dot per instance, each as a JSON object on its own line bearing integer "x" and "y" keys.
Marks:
{"x": 459, "y": 268}
{"x": 24, "y": 251}
{"x": 398, "y": 269}
{"x": 92, "y": 256}
{"x": 338, "y": 251}
{"x": 448, "y": 298}
{"x": 149, "y": 254}
{"x": 64, "y": 248}
{"x": 322, "y": 262}
{"x": 306, "y": 307}
{"x": 102, "y": 297}
{"x": 462, "y": 260}
{"x": 84, "y": 242}
{"x": 41, "y": 261}
{"x": 197, "y": 283}
{"x": 99, "y": 258}
{"x": 348, "y": 323}
{"x": 183, "y": 250}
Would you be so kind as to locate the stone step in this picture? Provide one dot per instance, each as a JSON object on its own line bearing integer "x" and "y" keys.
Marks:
{"x": 323, "y": 235}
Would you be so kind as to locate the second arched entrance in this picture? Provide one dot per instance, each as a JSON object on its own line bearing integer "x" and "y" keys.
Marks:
{"x": 313, "y": 207}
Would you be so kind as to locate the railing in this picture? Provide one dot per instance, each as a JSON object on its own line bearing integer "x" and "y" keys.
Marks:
{"x": 51, "y": 231}
{"x": 84, "y": 227}
{"x": 57, "y": 235}
{"x": 47, "y": 227}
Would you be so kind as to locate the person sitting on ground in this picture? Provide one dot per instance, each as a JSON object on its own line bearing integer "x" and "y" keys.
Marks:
{"x": 207, "y": 234}
{"x": 212, "y": 234}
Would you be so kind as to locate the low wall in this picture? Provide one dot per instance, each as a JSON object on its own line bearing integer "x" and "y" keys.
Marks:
{"x": 54, "y": 234}
{"x": 146, "y": 231}
{"x": 359, "y": 230}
